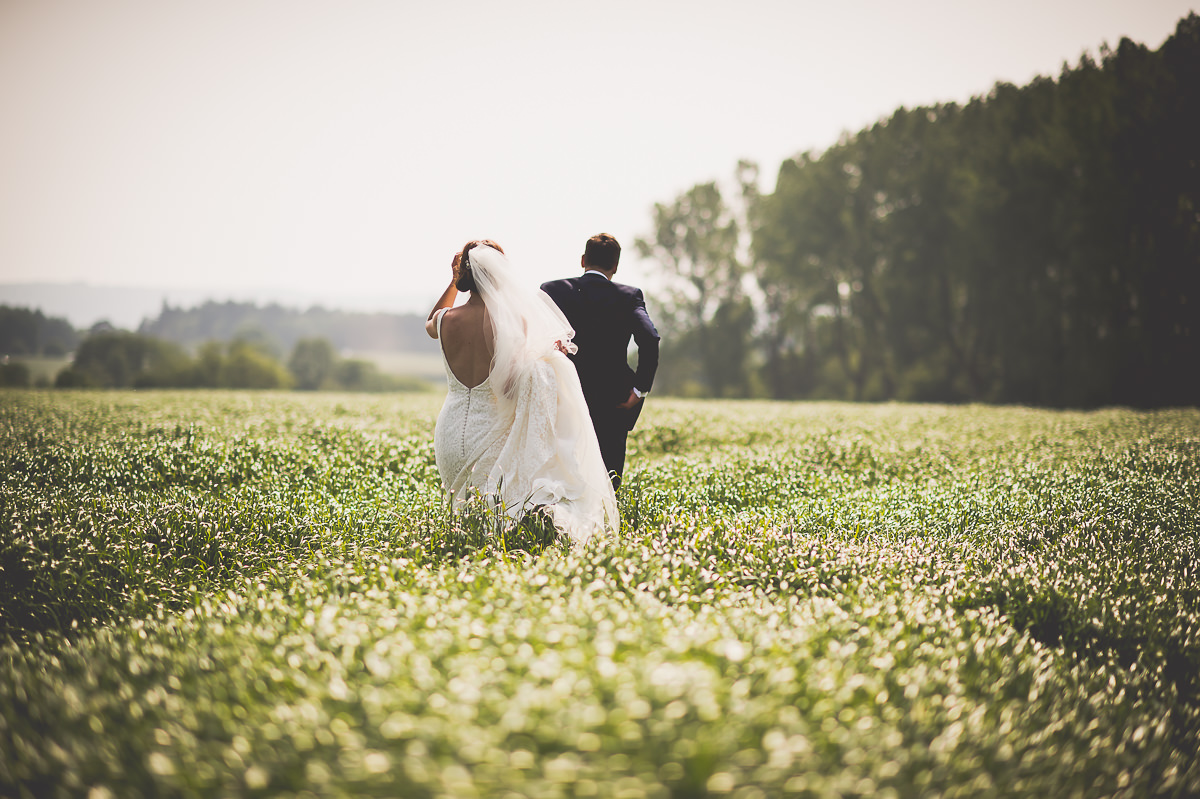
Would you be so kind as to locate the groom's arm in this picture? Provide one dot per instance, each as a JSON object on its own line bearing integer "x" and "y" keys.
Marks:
{"x": 645, "y": 335}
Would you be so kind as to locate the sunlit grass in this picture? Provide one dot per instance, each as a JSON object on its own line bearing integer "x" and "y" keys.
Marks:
{"x": 222, "y": 594}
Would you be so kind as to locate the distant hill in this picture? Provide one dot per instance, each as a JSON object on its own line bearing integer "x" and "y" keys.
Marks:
{"x": 84, "y": 305}
{"x": 280, "y": 328}
{"x": 191, "y": 317}
{"x": 126, "y": 307}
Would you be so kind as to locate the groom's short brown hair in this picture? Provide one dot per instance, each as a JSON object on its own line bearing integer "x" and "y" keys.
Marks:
{"x": 602, "y": 251}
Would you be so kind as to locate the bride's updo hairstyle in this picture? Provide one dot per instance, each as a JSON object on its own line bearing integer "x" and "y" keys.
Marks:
{"x": 464, "y": 280}
{"x": 528, "y": 326}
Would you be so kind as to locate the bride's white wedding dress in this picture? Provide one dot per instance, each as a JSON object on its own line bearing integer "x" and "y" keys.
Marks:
{"x": 523, "y": 436}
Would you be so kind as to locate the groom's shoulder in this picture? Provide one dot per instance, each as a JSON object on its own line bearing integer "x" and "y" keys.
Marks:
{"x": 627, "y": 290}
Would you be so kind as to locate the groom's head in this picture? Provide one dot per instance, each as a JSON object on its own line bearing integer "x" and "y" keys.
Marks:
{"x": 602, "y": 252}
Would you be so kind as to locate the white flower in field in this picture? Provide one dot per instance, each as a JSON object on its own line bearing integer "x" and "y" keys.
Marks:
{"x": 733, "y": 650}
{"x": 160, "y": 764}
{"x": 376, "y": 762}
{"x": 256, "y": 778}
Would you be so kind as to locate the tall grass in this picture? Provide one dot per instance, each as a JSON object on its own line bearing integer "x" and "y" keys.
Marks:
{"x": 260, "y": 594}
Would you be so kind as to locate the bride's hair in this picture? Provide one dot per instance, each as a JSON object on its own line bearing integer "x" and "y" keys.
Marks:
{"x": 464, "y": 280}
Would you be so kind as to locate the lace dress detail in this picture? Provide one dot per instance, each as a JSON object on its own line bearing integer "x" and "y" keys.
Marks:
{"x": 536, "y": 449}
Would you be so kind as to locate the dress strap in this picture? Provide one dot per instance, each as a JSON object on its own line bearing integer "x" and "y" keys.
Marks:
{"x": 437, "y": 316}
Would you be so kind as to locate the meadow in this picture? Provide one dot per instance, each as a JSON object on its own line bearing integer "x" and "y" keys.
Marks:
{"x": 262, "y": 594}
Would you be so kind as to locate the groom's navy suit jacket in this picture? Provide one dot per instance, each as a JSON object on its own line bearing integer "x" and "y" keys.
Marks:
{"x": 606, "y": 315}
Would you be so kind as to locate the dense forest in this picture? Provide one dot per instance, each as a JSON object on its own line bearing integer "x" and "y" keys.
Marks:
{"x": 1040, "y": 245}
{"x": 28, "y": 332}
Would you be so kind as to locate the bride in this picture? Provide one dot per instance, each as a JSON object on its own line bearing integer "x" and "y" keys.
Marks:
{"x": 515, "y": 428}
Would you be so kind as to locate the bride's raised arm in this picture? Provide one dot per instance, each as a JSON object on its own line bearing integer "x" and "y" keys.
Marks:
{"x": 446, "y": 300}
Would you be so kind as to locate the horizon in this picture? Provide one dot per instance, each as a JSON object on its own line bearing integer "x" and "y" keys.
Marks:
{"x": 329, "y": 152}
{"x": 145, "y": 303}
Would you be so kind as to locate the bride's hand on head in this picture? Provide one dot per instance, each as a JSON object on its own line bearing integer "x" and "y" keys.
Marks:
{"x": 446, "y": 300}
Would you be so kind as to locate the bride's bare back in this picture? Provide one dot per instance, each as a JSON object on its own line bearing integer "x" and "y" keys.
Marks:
{"x": 468, "y": 341}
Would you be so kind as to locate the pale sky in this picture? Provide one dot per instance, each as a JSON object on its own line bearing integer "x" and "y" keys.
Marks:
{"x": 344, "y": 150}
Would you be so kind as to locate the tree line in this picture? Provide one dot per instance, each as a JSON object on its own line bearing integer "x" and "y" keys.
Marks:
{"x": 1037, "y": 245}
{"x": 30, "y": 333}
{"x": 26, "y": 332}
{"x": 216, "y": 345}
{"x": 121, "y": 359}
{"x": 280, "y": 328}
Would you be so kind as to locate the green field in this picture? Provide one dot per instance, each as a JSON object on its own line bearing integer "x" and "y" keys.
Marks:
{"x": 260, "y": 594}
{"x": 419, "y": 365}
{"x": 43, "y": 369}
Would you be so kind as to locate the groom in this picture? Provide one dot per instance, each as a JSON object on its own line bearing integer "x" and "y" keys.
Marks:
{"x": 605, "y": 316}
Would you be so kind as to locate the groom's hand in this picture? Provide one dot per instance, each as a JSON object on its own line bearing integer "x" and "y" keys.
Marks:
{"x": 634, "y": 399}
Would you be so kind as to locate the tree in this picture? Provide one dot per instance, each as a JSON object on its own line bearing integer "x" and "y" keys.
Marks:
{"x": 708, "y": 317}
{"x": 30, "y": 332}
{"x": 119, "y": 359}
{"x": 312, "y": 363}
{"x": 209, "y": 361}
{"x": 247, "y": 365}
{"x": 14, "y": 375}
{"x": 1040, "y": 244}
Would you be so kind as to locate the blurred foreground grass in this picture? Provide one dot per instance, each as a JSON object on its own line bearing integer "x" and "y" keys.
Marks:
{"x": 227, "y": 594}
